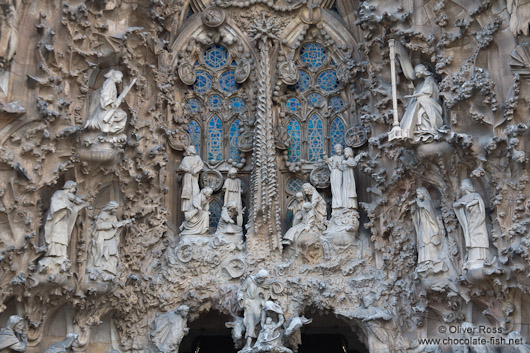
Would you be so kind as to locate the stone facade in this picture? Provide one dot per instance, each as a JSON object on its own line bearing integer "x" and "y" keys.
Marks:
{"x": 278, "y": 166}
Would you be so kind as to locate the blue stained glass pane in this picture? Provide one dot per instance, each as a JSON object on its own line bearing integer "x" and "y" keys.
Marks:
{"x": 314, "y": 100}
{"x": 195, "y": 135}
{"x": 214, "y": 101}
{"x": 203, "y": 82}
{"x": 336, "y": 103}
{"x": 193, "y": 105}
{"x": 294, "y": 185}
{"x": 336, "y": 130}
{"x": 304, "y": 82}
{"x": 313, "y": 55}
{"x": 215, "y": 215}
{"x": 327, "y": 80}
{"x": 237, "y": 104}
{"x": 227, "y": 82}
{"x": 315, "y": 138}
{"x": 234, "y": 137}
{"x": 292, "y": 104}
{"x": 293, "y": 128}
{"x": 215, "y": 139}
{"x": 215, "y": 56}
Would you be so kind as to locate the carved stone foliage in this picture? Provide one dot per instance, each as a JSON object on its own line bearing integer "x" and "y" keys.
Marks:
{"x": 160, "y": 160}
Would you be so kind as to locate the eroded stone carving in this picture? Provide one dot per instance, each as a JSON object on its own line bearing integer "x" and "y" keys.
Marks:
{"x": 168, "y": 329}
{"x": 13, "y": 337}
{"x": 251, "y": 297}
{"x": 197, "y": 218}
{"x": 191, "y": 165}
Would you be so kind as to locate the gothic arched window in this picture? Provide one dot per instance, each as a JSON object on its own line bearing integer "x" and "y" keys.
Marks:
{"x": 315, "y": 138}
{"x": 215, "y": 215}
{"x": 194, "y": 130}
{"x": 336, "y": 132}
{"x": 215, "y": 139}
{"x": 234, "y": 135}
{"x": 293, "y": 128}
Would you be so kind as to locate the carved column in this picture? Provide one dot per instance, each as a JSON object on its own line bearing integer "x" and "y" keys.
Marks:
{"x": 265, "y": 223}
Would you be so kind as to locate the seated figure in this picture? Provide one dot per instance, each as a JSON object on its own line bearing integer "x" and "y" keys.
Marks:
{"x": 197, "y": 220}
{"x": 228, "y": 227}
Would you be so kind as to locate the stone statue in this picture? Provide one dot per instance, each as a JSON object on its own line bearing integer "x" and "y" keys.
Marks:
{"x": 191, "y": 165}
{"x": 252, "y": 296}
{"x": 296, "y": 208}
{"x": 232, "y": 189}
{"x": 428, "y": 231}
{"x": 228, "y": 228}
{"x": 105, "y": 243}
{"x": 318, "y": 205}
{"x": 187, "y": 73}
{"x": 471, "y": 214}
{"x": 306, "y": 224}
{"x": 8, "y": 32}
{"x": 13, "y": 337}
{"x": 423, "y": 115}
{"x": 197, "y": 219}
{"x": 349, "y": 193}
{"x": 271, "y": 333}
{"x": 105, "y": 113}
{"x": 64, "y": 207}
{"x": 63, "y": 346}
{"x": 169, "y": 329}
{"x": 335, "y": 164}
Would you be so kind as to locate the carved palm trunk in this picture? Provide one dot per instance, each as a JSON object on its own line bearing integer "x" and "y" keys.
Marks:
{"x": 265, "y": 206}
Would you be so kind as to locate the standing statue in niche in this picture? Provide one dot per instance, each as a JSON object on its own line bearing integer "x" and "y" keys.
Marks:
{"x": 428, "y": 233}
{"x": 191, "y": 165}
{"x": 104, "y": 258}
{"x": 228, "y": 228}
{"x": 252, "y": 296}
{"x": 64, "y": 207}
{"x": 349, "y": 192}
{"x": 335, "y": 164}
{"x": 232, "y": 189}
{"x": 423, "y": 116}
{"x": 13, "y": 337}
{"x": 105, "y": 112}
{"x": 471, "y": 214}
{"x": 169, "y": 329}
{"x": 197, "y": 219}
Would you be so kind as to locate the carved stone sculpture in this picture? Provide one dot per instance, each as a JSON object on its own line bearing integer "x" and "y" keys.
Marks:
{"x": 306, "y": 224}
{"x": 105, "y": 243}
{"x": 270, "y": 338}
{"x": 318, "y": 205}
{"x": 64, "y": 207}
{"x": 227, "y": 228}
{"x": 13, "y": 337}
{"x": 423, "y": 116}
{"x": 8, "y": 33}
{"x": 169, "y": 329}
{"x": 191, "y": 165}
{"x": 187, "y": 73}
{"x": 251, "y": 297}
{"x": 296, "y": 208}
{"x": 197, "y": 219}
{"x": 242, "y": 71}
{"x": 349, "y": 192}
{"x": 63, "y": 346}
{"x": 232, "y": 189}
{"x": 106, "y": 115}
{"x": 335, "y": 164}
{"x": 471, "y": 214}
{"x": 428, "y": 232}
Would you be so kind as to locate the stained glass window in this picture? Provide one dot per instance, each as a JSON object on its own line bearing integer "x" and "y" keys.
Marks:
{"x": 313, "y": 55}
{"x": 214, "y": 101}
{"x": 294, "y": 185}
{"x": 336, "y": 130}
{"x": 193, "y": 105}
{"x": 315, "y": 138}
{"x": 293, "y": 128}
{"x": 327, "y": 80}
{"x": 215, "y": 215}
{"x": 314, "y": 100}
{"x": 215, "y": 139}
{"x": 215, "y": 57}
{"x": 203, "y": 82}
{"x": 227, "y": 82}
{"x": 234, "y": 136}
{"x": 336, "y": 103}
{"x": 237, "y": 104}
{"x": 292, "y": 104}
{"x": 194, "y": 130}
{"x": 304, "y": 82}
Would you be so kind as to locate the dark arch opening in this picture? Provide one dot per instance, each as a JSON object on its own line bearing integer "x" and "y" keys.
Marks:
{"x": 208, "y": 334}
{"x": 327, "y": 333}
